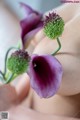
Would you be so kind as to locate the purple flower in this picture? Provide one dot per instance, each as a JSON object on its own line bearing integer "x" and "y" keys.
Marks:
{"x": 45, "y": 75}
{"x": 31, "y": 24}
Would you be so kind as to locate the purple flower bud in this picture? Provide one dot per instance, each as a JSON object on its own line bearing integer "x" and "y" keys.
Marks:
{"x": 45, "y": 75}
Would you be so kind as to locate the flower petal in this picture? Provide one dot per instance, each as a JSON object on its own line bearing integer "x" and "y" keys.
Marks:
{"x": 28, "y": 37}
{"x": 46, "y": 74}
{"x": 27, "y": 9}
{"x": 32, "y": 20}
{"x": 29, "y": 23}
{"x": 40, "y": 24}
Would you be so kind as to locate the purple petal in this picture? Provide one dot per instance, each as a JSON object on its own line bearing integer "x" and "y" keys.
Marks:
{"x": 46, "y": 74}
{"x": 27, "y": 9}
{"x": 28, "y": 37}
{"x": 29, "y": 24}
{"x": 40, "y": 24}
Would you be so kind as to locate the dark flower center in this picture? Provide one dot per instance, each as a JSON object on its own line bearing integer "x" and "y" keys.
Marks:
{"x": 42, "y": 71}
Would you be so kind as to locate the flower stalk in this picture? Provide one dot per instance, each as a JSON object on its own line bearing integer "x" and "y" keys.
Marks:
{"x": 59, "y": 47}
{"x": 10, "y": 79}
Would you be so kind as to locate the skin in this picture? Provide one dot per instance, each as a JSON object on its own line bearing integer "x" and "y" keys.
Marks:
{"x": 19, "y": 99}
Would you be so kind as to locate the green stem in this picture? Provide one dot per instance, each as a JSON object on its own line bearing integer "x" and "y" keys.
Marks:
{"x": 10, "y": 79}
{"x": 58, "y": 47}
{"x": 1, "y": 73}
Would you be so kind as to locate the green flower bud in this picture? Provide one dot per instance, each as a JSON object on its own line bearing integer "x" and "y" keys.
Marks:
{"x": 53, "y": 25}
{"x": 18, "y": 62}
